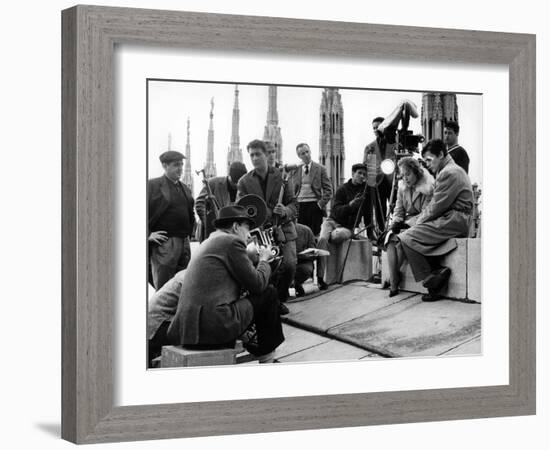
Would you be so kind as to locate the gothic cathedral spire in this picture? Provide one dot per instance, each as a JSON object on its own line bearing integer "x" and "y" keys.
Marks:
{"x": 210, "y": 168}
{"x": 235, "y": 153}
{"x": 272, "y": 131}
{"x": 187, "y": 174}
{"x": 331, "y": 135}
{"x": 437, "y": 109}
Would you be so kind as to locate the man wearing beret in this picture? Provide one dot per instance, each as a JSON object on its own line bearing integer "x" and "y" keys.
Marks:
{"x": 224, "y": 190}
{"x": 171, "y": 220}
{"x": 223, "y": 293}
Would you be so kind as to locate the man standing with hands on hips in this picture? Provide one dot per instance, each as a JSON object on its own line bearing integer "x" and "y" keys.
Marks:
{"x": 170, "y": 220}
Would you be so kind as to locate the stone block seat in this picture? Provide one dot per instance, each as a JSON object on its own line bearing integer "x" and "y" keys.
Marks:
{"x": 358, "y": 265}
{"x": 465, "y": 265}
{"x": 178, "y": 356}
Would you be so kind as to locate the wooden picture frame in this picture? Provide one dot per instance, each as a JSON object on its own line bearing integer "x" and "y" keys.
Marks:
{"x": 90, "y": 34}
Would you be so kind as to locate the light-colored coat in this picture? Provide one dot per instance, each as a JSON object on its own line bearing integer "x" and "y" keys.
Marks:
{"x": 320, "y": 183}
{"x": 412, "y": 200}
{"x": 211, "y": 309}
{"x": 162, "y": 305}
{"x": 446, "y": 216}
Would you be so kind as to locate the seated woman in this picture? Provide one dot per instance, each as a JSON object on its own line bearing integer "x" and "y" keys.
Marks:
{"x": 415, "y": 190}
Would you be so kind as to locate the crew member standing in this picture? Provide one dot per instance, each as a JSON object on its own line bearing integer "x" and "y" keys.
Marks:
{"x": 378, "y": 150}
{"x": 266, "y": 182}
{"x": 457, "y": 152}
{"x": 313, "y": 188}
{"x": 224, "y": 190}
{"x": 171, "y": 220}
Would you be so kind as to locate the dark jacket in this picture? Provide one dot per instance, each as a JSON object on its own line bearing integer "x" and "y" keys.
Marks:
{"x": 460, "y": 157}
{"x": 211, "y": 309}
{"x": 250, "y": 184}
{"x": 342, "y": 212}
{"x": 158, "y": 200}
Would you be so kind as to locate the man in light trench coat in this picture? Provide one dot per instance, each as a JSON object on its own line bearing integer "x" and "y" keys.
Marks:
{"x": 446, "y": 217}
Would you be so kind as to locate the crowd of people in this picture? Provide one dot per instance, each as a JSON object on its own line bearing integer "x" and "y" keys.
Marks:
{"x": 222, "y": 294}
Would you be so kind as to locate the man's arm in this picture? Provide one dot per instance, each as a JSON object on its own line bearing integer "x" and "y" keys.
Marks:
{"x": 241, "y": 189}
{"x": 290, "y": 201}
{"x": 253, "y": 279}
{"x": 200, "y": 203}
{"x": 399, "y": 211}
{"x": 326, "y": 186}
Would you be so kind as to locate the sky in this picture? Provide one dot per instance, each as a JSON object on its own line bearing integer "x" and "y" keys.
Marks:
{"x": 172, "y": 102}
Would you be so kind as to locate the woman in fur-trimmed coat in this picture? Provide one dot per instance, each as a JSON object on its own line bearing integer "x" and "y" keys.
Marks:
{"x": 415, "y": 190}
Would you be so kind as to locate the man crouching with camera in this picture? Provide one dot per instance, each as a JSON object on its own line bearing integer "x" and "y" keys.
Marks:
{"x": 213, "y": 311}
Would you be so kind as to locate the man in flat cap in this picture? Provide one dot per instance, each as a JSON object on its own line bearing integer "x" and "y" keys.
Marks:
{"x": 224, "y": 191}
{"x": 223, "y": 293}
{"x": 171, "y": 220}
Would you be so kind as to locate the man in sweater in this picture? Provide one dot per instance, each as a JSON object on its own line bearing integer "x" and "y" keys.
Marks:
{"x": 223, "y": 293}
{"x": 313, "y": 189}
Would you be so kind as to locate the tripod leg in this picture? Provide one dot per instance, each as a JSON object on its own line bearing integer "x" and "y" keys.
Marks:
{"x": 379, "y": 211}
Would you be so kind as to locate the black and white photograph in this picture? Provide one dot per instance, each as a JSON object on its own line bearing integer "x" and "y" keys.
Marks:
{"x": 292, "y": 224}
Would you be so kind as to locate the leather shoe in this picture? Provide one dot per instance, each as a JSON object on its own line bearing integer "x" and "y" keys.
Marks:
{"x": 437, "y": 279}
{"x": 322, "y": 285}
{"x": 431, "y": 297}
{"x": 283, "y": 309}
{"x": 299, "y": 291}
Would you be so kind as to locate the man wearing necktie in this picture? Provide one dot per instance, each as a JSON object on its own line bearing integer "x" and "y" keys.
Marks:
{"x": 313, "y": 190}
{"x": 171, "y": 220}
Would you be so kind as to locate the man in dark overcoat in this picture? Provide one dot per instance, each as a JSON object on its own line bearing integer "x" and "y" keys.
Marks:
{"x": 224, "y": 293}
{"x": 446, "y": 217}
{"x": 267, "y": 182}
{"x": 170, "y": 220}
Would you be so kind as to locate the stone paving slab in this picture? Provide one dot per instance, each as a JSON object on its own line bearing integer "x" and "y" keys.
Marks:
{"x": 338, "y": 306}
{"x": 297, "y": 340}
{"x": 472, "y": 347}
{"x": 327, "y": 351}
{"x": 413, "y": 328}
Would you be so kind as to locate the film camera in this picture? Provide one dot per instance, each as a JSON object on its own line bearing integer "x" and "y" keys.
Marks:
{"x": 261, "y": 236}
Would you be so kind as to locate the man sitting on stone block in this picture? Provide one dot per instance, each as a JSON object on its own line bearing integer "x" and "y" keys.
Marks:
{"x": 447, "y": 216}
{"x": 338, "y": 227}
{"x": 224, "y": 293}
